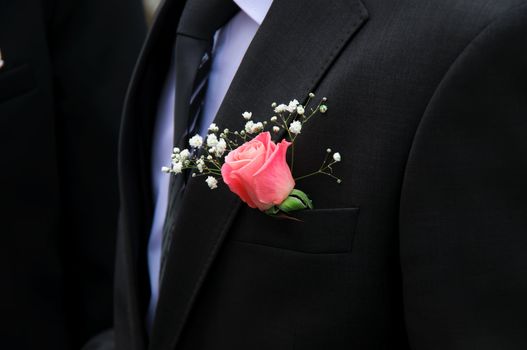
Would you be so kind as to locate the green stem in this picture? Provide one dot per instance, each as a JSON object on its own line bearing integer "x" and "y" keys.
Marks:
{"x": 322, "y": 171}
{"x": 330, "y": 175}
{"x": 308, "y": 175}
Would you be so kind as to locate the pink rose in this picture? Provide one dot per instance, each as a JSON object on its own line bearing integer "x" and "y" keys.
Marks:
{"x": 258, "y": 172}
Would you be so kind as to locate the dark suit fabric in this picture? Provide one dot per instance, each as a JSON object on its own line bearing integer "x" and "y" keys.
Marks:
{"x": 67, "y": 66}
{"x": 423, "y": 244}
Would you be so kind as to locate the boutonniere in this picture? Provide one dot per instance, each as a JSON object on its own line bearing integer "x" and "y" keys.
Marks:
{"x": 251, "y": 164}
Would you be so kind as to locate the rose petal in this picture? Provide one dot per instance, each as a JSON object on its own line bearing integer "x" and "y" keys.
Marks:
{"x": 273, "y": 182}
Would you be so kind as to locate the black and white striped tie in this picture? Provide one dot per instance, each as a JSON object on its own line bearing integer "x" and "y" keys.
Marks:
{"x": 198, "y": 95}
{"x": 197, "y": 26}
{"x": 192, "y": 127}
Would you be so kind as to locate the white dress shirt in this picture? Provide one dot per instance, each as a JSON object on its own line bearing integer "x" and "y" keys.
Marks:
{"x": 230, "y": 44}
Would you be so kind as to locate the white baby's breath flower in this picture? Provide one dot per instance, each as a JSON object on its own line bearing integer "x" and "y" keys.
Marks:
{"x": 247, "y": 115}
{"x": 337, "y": 157}
{"x": 323, "y": 109}
{"x": 281, "y": 108}
{"x": 276, "y": 129}
{"x": 300, "y": 110}
{"x": 184, "y": 154}
{"x": 221, "y": 147}
{"x": 292, "y": 106}
{"x": 295, "y": 127}
{"x": 196, "y": 141}
{"x": 212, "y": 182}
{"x": 258, "y": 127}
{"x": 252, "y": 127}
{"x": 311, "y": 95}
{"x": 177, "y": 167}
{"x": 212, "y": 140}
{"x": 176, "y": 150}
{"x": 200, "y": 164}
{"x": 249, "y": 127}
{"x": 165, "y": 169}
{"x": 274, "y": 118}
{"x": 213, "y": 128}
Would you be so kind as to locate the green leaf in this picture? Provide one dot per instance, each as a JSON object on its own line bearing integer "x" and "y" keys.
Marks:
{"x": 303, "y": 197}
{"x": 272, "y": 211}
{"x": 292, "y": 204}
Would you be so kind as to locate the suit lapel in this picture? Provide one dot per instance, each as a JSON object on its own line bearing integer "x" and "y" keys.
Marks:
{"x": 294, "y": 47}
{"x": 134, "y": 175}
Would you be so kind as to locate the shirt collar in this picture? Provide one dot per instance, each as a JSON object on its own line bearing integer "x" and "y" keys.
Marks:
{"x": 256, "y": 9}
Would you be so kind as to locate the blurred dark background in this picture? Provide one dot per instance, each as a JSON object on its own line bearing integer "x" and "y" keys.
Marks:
{"x": 66, "y": 68}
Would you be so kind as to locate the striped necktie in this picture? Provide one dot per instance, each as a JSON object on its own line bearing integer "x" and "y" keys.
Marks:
{"x": 193, "y": 61}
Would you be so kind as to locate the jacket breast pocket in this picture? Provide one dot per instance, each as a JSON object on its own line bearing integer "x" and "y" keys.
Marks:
{"x": 317, "y": 231}
{"x": 15, "y": 81}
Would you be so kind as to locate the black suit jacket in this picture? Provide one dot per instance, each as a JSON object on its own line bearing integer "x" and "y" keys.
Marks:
{"x": 67, "y": 65}
{"x": 423, "y": 244}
